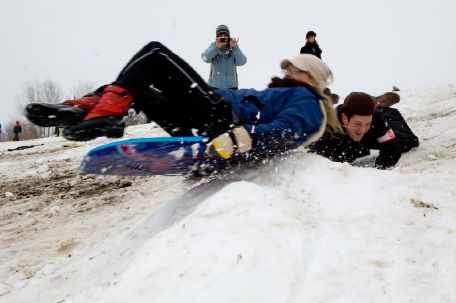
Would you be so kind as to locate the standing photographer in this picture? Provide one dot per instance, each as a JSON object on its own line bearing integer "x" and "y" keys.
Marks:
{"x": 224, "y": 55}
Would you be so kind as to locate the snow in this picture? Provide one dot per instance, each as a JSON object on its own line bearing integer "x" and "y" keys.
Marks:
{"x": 297, "y": 229}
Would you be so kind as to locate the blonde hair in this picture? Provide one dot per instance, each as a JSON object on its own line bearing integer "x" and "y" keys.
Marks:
{"x": 320, "y": 75}
{"x": 332, "y": 122}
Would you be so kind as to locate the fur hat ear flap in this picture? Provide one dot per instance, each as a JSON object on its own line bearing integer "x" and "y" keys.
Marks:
{"x": 312, "y": 64}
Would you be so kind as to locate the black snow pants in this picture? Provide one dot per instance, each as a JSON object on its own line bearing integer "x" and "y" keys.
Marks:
{"x": 172, "y": 94}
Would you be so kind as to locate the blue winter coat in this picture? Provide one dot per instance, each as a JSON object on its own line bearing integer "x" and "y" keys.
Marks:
{"x": 276, "y": 118}
{"x": 223, "y": 72}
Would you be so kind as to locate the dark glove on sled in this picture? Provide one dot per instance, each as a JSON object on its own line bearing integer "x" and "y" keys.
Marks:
{"x": 237, "y": 140}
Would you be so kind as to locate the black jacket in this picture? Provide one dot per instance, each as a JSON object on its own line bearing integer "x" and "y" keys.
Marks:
{"x": 311, "y": 48}
{"x": 341, "y": 148}
{"x": 17, "y": 129}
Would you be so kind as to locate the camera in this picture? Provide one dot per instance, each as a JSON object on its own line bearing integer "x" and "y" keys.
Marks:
{"x": 224, "y": 40}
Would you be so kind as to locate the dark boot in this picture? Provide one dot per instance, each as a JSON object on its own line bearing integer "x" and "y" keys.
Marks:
{"x": 111, "y": 127}
{"x": 69, "y": 112}
{"x": 47, "y": 115}
{"x": 105, "y": 119}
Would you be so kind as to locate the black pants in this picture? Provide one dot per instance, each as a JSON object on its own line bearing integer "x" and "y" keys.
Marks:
{"x": 180, "y": 100}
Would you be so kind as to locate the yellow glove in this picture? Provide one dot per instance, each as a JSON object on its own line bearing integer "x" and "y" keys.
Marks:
{"x": 236, "y": 141}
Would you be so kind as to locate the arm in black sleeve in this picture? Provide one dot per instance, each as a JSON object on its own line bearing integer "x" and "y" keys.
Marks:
{"x": 382, "y": 137}
{"x": 318, "y": 51}
{"x": 390, "y": 153}
{"x": 404, "y": 134}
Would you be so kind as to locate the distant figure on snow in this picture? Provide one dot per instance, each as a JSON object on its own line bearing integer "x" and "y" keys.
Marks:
{"x": 17, "y": 130}
{"x": 224, "y": 55}
{"x": 311, "y": 46}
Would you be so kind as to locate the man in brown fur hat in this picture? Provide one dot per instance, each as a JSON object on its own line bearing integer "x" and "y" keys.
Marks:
{"x": 364, "y": 128}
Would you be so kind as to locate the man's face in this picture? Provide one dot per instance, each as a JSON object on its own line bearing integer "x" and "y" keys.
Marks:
{"x": 357, "y": 126}
{"x": 311, "y": 39}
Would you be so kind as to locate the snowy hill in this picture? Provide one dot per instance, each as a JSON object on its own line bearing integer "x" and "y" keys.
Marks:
{"x": 299, "y": 229}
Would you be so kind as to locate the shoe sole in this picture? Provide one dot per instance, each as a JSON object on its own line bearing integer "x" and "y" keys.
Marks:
{"x": 86, "y": 135}
{"x": 48, "y": 115}
{"x": 91, "y": 129}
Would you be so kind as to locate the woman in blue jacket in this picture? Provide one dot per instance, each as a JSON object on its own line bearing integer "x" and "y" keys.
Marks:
{"x": 224, "y": 55}
{"x": 289, "y": 113}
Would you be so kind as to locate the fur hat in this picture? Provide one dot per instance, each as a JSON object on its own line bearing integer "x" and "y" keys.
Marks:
{"x": 312, "y": 64}
{"x": 222, "y": 29}
{"x": 360, "y": 104}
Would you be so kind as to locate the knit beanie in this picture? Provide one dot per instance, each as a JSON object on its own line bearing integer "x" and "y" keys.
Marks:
{"x": 310, "y": 34}
{"x": 312, "y": 64}
{"x": 222, "y": 29}
{"x": 360, "y": 104}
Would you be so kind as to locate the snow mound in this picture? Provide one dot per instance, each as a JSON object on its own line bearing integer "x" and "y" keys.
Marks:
{"x": 296, "y": 229}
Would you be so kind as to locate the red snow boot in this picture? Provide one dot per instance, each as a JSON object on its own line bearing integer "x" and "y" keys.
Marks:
{"x": 114, "y": 102}
{"x": 105, "y": 119}
{"x": 86, "y": 103}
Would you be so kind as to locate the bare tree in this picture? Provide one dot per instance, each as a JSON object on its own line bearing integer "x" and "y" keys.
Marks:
{"x": 82, "y": 89}
{"x": 46, "y": 91}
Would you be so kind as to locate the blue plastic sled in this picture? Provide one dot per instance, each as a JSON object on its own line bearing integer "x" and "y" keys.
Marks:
{"x": 147, "y": 156}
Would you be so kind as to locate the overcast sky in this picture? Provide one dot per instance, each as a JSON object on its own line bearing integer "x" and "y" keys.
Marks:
{"x": 369, "y": 45}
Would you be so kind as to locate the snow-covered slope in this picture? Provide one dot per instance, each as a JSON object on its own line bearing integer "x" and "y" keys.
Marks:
{"x": 300, "y": 229}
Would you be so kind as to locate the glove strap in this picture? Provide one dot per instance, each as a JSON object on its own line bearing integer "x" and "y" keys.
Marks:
{"x": 235, "y": 144}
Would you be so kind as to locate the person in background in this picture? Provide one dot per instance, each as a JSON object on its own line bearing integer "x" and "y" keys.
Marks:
{"x": 311, "y": 46}
{"x": 224, "y": 55}
{"x": 365, "y": 128}
{"x": 17, "y": 130}
{"x": 393, "y": 117}
{"x": 237, "y": 123}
